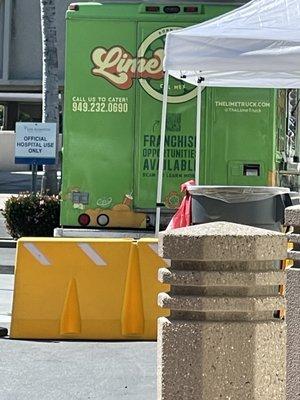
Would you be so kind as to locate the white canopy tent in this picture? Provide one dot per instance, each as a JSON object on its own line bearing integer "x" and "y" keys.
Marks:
{"x": 256, "y": 45}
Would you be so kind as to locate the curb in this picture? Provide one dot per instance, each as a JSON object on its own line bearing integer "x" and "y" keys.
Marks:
{"x": 8, "y": 243}
{"x": 7, "y": 269}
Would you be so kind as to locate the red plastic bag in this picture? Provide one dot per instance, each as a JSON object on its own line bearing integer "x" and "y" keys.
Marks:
{"x": 183, "y": 215}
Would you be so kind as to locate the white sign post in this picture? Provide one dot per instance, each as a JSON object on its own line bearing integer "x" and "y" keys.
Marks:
{"x": 36, "y": 145}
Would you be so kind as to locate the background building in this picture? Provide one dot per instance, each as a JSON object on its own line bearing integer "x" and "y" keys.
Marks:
{"x": 21, "y": 59}
{"x": 21, "y": 56}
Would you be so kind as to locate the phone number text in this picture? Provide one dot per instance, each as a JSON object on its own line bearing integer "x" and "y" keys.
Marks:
{"x": 82, "y": 106}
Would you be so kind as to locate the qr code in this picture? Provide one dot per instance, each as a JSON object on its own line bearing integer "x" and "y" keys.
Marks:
{"x": 174, "y": 122}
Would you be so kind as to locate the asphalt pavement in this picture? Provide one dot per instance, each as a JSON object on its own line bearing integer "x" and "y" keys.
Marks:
{"x": 17, "y": 181}
{"x": 65, "y": 370}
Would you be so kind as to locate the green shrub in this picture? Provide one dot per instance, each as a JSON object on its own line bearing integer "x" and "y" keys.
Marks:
{"x": 29, "y": 214}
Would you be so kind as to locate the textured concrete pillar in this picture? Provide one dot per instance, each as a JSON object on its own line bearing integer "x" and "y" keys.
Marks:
{"x": 293, "y": 334}
{"x": 224, "y": 338}
{"x": 292, "y": 219}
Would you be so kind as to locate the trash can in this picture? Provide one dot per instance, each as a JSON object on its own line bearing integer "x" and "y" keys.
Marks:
{"x": 258, "y": 206}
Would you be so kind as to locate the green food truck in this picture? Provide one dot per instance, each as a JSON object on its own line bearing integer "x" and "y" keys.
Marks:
{"x": 112, "y": 114}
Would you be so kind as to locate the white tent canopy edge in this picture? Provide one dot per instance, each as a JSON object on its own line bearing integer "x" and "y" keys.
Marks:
{"x": 256, "y": 45}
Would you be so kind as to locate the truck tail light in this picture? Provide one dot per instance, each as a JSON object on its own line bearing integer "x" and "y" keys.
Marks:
{"x": 84, "y": 219}
{"x": 190, "y": 9}
{"x": 152, "y": 9}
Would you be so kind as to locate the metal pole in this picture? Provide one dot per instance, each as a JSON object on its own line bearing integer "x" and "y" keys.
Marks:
{"x": 161, "y": 151}
{"x": 7, "y": 39}
{"x": 198, "y": 132}
{"x": 33, "y": 178}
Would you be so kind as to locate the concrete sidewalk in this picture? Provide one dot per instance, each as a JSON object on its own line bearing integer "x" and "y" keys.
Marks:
{"x": 6, "y": 298}
{"x": 7, "y": 244}
{"x": 41, "y": 370}
{"x": 12, "y": 183}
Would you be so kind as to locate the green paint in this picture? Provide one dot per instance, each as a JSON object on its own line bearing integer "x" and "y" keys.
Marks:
{"x": 240, "y": 130}
{"x": 112, "y": 116}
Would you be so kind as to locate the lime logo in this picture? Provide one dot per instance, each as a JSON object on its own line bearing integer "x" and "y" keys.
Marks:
{"x": 179, "y": 92}
{"x": 120, "y": 68}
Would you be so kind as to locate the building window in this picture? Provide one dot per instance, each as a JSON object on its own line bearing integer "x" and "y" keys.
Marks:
{"x": 30, "y": 112}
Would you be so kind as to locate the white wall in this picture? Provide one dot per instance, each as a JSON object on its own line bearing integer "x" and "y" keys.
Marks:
{"x": 7, "y": 152}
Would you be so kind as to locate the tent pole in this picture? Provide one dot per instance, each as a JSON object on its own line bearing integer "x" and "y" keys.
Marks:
{"x": 198, "y": 132}
{"x": 161, "y": 151}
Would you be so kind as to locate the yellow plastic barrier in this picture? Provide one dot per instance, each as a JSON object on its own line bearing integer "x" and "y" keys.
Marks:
{"x": 286, "y": 264}
{"x": 142, "y": 274}
{"x": 86, "y": 289}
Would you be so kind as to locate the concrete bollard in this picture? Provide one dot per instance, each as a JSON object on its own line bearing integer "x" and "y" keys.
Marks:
{"x": 292, "y": 218}
{"x": 223, "y": 339}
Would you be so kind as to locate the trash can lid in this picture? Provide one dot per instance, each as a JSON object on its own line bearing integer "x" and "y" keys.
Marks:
{"x": 237, "y": 194}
